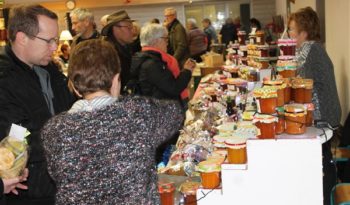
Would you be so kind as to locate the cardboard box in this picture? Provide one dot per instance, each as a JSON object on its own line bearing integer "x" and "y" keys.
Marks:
{"x": 213, "y": 59}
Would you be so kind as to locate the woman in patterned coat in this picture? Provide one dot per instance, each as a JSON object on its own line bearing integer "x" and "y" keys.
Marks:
{"x": 102, "y": 150}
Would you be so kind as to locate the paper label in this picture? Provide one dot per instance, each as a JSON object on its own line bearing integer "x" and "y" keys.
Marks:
{"x": 18, "y": 132}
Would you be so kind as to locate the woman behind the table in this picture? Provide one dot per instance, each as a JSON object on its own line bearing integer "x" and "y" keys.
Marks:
{"x": 102, "y": 150}
{"x": 315, "y": 64}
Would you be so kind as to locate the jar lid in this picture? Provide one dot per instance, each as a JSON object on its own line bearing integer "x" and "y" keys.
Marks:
{"x": 265, "y": 92}
{"x": 189, "y": 187}
{"x": 236, "y": 142}
{"x": 294, "y": 108}
{"x": 243, "y": 48}
{"x": 263, "y": 47}
{"x": 209, "y": 166}
{"x": 286, "y": 58}
{"x": 264, "y": 118}
{"x": 273, "y": 82}
{"x": 241, "y": 32}
{"x": 302, "y": 83}
{"x": 166, "y": 187}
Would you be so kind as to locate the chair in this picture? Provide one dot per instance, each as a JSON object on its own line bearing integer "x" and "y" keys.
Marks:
{"x": 340, "y": 194}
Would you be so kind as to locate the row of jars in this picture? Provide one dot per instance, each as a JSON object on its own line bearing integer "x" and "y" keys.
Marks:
{"x": 291, "y": 119}
{"x": 276, "y": 93}
{"x": 255, "y": 38}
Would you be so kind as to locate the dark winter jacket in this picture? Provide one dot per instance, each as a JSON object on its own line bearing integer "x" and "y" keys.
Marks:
{"x": 228, "y": 33}
{"x": 319, "y": 67}
{"x": 156, "y": 80}
{"x": 22, "y": 102}
{"x": 178, "y": 44}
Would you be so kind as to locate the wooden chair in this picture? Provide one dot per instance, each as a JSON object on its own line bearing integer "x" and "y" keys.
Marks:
{"x": 340, "y": 194}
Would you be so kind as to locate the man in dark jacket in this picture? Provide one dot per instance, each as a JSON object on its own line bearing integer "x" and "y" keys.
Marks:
{"x": 119, "y": 31}
{"x": 178, "y": 44}
{"x": 31, "y": 91}
{"x": 83, "y": 25}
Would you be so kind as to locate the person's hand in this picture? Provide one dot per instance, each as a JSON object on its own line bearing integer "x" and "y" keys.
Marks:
{"x": 190, "y": 64}
{"x": 10, "y": 185}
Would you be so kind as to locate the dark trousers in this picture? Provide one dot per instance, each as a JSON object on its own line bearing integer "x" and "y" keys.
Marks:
{"x": 329, "y": 171}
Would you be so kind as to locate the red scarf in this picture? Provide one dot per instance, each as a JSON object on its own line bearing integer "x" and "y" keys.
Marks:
{"x": 172, "y": 65}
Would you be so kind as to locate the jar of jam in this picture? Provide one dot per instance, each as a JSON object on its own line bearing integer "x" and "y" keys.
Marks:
{"x": 260, "y": 37}
{"x": 267, "y": 126}
{"x": 210, "y": 174}
{"x": 302, "y": 90}
{"x": 286, "y": 66}
{"x": 241, "y": 37}
{"x": 243, "y": 51}
{"x": 295, "y": 116}
{"x": 244, "y": 61}
{"x": 263, "y": 51}
{"x": 287, "y": 90}
{"x": 280, "y": 124}
{"x": 279, "y": 86}
{"x": 287, "y": 46}
{"x": 167, "y": 192}
{"x": 266, "y": 99}
{"x": 309, "y": 114}
{"x": 236, "y": 150}
{"x": 252, "y": 38}
{"x": 189, "y": 191}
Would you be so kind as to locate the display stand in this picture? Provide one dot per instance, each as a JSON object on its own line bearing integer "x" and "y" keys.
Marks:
{"x": 285, "y": 171}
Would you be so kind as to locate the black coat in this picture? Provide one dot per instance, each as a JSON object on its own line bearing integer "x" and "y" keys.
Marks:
{"x": 22, "y": 102}
{"x": 156, "y": 80}
{"x": 228, "y": 33}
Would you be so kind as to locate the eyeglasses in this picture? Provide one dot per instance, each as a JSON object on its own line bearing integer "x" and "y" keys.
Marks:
{"x": 48, "y": 41}
{"x": 121, "y": 26}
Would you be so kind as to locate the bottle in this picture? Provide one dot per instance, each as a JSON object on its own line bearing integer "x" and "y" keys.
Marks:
{"x": 230, "y": 104}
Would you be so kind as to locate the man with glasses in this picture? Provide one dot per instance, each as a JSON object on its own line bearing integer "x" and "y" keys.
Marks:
{"x": 119, "y": 31}
{"x": 31, "y": 91}
{"x": 178, "y": 44}
{"x": 83, "y": 25}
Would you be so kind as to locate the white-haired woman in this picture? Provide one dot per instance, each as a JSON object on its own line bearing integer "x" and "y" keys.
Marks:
{"x": 197, "y": 40}
{"x": 157, "y": 73}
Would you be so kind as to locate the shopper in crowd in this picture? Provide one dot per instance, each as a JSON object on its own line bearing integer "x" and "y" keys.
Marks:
{"x": 136, "y": 44}
{"x": 209, "y": 30}
{"x": 158, "y": 73}
{"x": 65, "y": 50}
{"x": 11, "y": 185}
{"x": 197, "y": 40}
{"x": 119, "y": 31}
{"x": 255, "y": 23}
{"x": 315, "y": 64}
{"x": 237, "y": 23}
{"x": 32, "y": 90}
{"x": 83, "y": 25}
{"x": 178, "y": 44}
{"x": 101, "y": 151}
{"x": 228, "y": 32}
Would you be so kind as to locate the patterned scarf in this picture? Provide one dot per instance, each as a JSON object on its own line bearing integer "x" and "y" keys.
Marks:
{"x": 91, "y": 105}
{"x": 301, "y": 55}
{"x": 172, "y": 65}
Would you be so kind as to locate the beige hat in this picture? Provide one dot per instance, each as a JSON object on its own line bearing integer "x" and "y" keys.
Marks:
{"x": 115, "y": 18}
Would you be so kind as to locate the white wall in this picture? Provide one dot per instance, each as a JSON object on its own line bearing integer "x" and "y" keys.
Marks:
{"x": 263, "y": 10}
{"x": 338, "y": 47}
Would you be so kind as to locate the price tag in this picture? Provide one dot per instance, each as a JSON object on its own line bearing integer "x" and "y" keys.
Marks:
{"x": 18, "y": 132}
